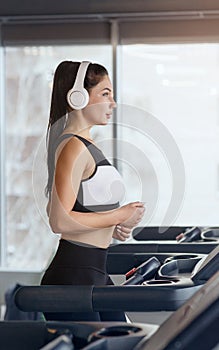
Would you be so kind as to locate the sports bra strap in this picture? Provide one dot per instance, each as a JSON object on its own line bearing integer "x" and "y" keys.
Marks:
{"x": 96, "y": 153}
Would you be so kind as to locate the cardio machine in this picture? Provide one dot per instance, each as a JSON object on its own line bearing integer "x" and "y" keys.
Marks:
{"x": 150, "y": 239}
{"x": 193, "y": 326}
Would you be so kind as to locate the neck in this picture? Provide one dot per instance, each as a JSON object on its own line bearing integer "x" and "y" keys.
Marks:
{"x": 77, "y": 126}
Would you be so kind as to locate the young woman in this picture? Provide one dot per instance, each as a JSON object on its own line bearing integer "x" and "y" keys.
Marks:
{"x": 84, "y": 189}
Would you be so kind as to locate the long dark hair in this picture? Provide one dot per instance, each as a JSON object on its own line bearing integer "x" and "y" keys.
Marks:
{"x": 63, "y": 81}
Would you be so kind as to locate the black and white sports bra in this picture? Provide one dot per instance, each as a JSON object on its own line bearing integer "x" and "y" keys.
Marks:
{"x": 104, "y": 189}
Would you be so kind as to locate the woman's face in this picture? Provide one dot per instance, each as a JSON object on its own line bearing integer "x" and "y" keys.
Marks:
{"x": 101, "y": 103}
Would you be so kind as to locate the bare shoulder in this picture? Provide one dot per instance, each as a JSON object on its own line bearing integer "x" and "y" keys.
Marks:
{"x": 70, "y": 147}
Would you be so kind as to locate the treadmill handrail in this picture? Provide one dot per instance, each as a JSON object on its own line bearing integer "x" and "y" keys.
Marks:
{"x": 102, "y": 298}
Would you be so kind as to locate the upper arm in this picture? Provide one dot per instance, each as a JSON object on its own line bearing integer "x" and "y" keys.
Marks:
{"x": 70, "y": 166}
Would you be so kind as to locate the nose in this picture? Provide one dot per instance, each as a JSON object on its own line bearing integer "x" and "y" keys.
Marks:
{"x": 113, "y": 103}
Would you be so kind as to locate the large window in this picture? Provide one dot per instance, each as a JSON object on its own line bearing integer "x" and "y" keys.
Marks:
{"x": 28, "y": 80}
{"x": 178, "y": 85}
{"x": 167, "y": 136}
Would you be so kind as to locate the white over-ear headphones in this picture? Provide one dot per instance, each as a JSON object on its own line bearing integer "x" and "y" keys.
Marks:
{"x": 78, "y": 97}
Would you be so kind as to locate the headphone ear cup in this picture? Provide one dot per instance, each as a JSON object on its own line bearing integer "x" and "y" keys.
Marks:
{"x": 78, "y": 99}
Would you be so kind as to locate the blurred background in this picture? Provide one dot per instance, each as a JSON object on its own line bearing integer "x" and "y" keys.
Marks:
{"x": 163, "y": 59}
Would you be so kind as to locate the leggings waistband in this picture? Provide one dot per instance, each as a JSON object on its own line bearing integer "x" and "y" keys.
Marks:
{"x": 72, "y": 254}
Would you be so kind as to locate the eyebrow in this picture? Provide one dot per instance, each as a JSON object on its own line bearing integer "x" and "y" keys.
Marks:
{"x": 107, "y": 89}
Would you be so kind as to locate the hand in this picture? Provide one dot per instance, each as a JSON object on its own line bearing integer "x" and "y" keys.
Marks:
{"x": 134, "y": 213}
{"x": 122, "y": 233}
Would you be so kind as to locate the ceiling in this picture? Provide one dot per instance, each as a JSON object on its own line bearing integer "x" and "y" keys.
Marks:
{"x": 11, "y": 9}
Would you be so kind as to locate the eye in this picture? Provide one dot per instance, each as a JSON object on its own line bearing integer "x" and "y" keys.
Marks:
{"x": 106, "y": 94}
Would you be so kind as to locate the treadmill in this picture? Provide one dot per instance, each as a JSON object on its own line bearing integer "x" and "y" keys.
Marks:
{"x": 154, "y": 239}
{"x": 152, "y": 288}
{"x": 193, "y": 326}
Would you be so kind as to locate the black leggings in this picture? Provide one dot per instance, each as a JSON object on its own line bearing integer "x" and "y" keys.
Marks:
{"x": 75, "y": 264}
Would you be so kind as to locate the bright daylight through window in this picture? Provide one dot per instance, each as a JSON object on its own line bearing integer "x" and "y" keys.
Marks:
{"x": 175, "y": 84}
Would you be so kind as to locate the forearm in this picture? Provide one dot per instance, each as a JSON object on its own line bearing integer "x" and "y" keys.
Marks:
{"x": 67, "y": 221}
{"x": 62, "y": 221}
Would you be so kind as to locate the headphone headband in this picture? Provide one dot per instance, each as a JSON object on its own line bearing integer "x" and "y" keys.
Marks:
{"x": 78, "y": 97}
